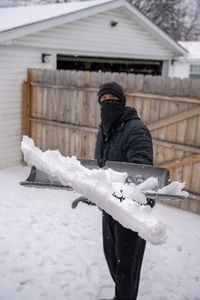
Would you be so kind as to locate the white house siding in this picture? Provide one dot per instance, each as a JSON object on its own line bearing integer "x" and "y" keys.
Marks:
{"x": 13, "y": 71}
{"x": 180, "y": 69}
{"x": 94, "y": 36}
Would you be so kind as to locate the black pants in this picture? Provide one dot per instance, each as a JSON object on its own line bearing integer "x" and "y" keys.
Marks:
{"x": 124, "y": 251}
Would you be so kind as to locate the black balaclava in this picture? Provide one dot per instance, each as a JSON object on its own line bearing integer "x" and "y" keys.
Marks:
{"x": 111, "y": 109}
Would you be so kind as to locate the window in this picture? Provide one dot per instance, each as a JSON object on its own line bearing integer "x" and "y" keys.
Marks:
{"x": 195, "y": 71}
{"x": 99, "y": 64}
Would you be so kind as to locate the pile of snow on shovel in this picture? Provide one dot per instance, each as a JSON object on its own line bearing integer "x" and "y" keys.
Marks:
{"x": 99, "y": 185}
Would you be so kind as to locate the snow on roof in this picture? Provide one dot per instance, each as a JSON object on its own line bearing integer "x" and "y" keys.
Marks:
{"x": 13, "y": 17}
{"x": 193, "y": 48}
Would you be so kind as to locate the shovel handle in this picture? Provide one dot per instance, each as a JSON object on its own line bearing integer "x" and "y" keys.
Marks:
{"x": 81, "y": 199}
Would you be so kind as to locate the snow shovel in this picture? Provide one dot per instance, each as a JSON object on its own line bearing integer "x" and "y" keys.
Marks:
{"x": 137, "y": 173}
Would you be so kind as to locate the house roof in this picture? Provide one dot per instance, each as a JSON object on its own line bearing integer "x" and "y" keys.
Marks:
{"x": 15, "y": 17}
{"x": 16, "y": 22}
{"x": 193, "y": 48}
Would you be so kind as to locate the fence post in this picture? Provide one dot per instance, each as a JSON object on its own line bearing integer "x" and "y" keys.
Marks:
{"x": 26, "y": 109}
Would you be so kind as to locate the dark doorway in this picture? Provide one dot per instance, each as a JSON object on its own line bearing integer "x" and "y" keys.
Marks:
{"x": 80, "y": 63}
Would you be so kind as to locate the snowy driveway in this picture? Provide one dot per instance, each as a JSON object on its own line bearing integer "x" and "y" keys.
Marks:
{"x": 50, "y": 252}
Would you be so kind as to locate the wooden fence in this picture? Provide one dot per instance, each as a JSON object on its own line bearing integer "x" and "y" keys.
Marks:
{"x": 60, "y": 111}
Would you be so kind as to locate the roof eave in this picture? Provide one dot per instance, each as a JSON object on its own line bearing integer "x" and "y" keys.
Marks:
{"x": 21, "y": 31}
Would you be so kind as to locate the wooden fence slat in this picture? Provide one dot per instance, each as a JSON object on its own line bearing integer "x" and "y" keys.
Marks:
{"x": 176, "y": 146}
{"x": 25, "y": 109}
{"x": 139, "y": 83}
{"x": 194, "y": 196}
{"x": 181, "y": 162}
{"x": 175, "y": 118}
{"x": 62, "y": 124}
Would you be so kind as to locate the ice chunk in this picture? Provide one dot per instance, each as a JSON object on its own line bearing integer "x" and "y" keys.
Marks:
{"x": 174, "y": 188}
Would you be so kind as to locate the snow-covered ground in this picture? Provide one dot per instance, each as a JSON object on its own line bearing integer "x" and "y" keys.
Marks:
{"x": 49, "y": 251}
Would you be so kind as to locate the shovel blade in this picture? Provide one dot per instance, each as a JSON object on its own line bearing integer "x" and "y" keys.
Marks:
{"x": 40, "y": 179}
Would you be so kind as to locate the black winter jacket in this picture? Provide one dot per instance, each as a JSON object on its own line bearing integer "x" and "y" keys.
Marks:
{"x": 130, "y": 142}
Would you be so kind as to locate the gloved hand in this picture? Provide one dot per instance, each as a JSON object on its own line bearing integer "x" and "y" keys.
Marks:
{"x": 150, "y": 202}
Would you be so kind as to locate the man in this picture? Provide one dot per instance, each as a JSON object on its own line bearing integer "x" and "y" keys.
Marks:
{"x": 122, "y": 137}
